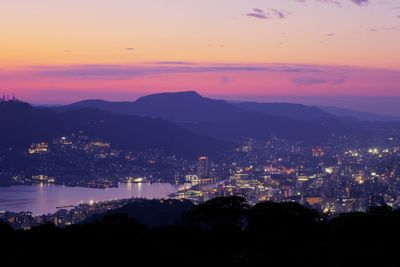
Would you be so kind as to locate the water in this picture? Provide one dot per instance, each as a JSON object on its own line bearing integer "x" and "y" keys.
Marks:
{"x": 42, "y": 199}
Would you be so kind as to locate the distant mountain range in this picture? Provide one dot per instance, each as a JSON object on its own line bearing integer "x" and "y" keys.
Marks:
{"x": 23, "y": 124}
{"x": 231, "y": 121}
{"x": 184, "y": 124}
{"x": 363, "y": 116}
{"x": 191, "y": 107}
{"x": 293, "y": 111}
{"x": 198, "y": 108}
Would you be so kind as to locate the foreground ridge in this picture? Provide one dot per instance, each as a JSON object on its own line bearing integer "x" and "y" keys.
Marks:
{"x": 226, "y": 230}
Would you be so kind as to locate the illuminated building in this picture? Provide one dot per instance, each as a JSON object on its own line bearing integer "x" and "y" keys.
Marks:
{"x": 318, "y": 152}
{"x": 43, "y": 179}
{"x": 202, "y": 167}
{"x": 137, "y": 180}
{"x": 313, "y": 200}
{"x": 360, "y": 179}
{"x": 101, "y": 144}
{"x": 38, "y": 148}
{"x": 191, "y": 178}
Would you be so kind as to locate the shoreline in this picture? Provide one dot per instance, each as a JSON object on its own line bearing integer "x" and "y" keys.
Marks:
{"x": 44, "y": 199}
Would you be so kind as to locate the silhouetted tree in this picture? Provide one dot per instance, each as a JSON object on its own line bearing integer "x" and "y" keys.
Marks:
{"x": 272, "y": 217}
{"x": 277, "y": 234}
{"x": 5, "y": 229}
{"x": 382, "y": 210}
{"x": 223, "y": 214}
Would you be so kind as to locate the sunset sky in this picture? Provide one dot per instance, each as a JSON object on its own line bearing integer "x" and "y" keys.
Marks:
{"x": 65, "y": 50}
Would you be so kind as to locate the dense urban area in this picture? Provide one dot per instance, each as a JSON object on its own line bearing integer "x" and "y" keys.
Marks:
{"x": 336, "y": 178}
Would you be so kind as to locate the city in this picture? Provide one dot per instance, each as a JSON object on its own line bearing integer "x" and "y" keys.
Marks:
{"x": 200, "y": 133}
{"x": 332, "y": 179}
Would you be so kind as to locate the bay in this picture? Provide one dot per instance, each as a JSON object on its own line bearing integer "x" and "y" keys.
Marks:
{"x": 45, "y": 198}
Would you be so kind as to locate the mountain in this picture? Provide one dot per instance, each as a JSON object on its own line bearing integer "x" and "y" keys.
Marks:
{"x": 228, "y": 121}
{"x": 293, "y": 111}
{"x": 179, "y": 107}
{"x": 363, "y": 116}
{"x": 122, "y": 108}
{"x": 23, "y": 124}
{"x": 192, "y": 107}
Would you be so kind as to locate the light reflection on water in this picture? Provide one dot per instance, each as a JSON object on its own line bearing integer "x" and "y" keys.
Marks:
{"x": 44, "y": 198}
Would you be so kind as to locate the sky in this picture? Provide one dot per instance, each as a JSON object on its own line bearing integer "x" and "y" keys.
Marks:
{"x": 66, "y": 50}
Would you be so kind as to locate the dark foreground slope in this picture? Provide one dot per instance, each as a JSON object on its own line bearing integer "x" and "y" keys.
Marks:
{"x": 224, "y": 231}
{"x": 23, "y": 124}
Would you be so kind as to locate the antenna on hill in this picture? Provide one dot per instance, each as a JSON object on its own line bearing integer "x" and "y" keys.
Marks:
{"x": 8, "y": 98}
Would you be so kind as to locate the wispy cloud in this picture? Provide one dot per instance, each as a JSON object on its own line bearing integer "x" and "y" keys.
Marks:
{"x": 257, "y": 13}
{"x": 172, "y": 63}
{"x": 311, "y": 81}
{"x": 158, "y": 68}
{"x": 360, "y": 2}
{"x": 270, "y": 13}
{"x": 392, "y": 28}
{"x": 225, "y": 80}
{"x": 339, "y": 2}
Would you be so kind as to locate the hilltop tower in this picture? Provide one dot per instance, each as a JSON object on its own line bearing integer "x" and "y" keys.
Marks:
{"x": 8, "y": 98}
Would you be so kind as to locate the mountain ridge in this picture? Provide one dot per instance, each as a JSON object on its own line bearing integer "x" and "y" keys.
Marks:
{"x": 280, "y": 109}
{"x": 24, "y": 125}
{"x": 228, "y": 121}
{"x": 360, "y": 115}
